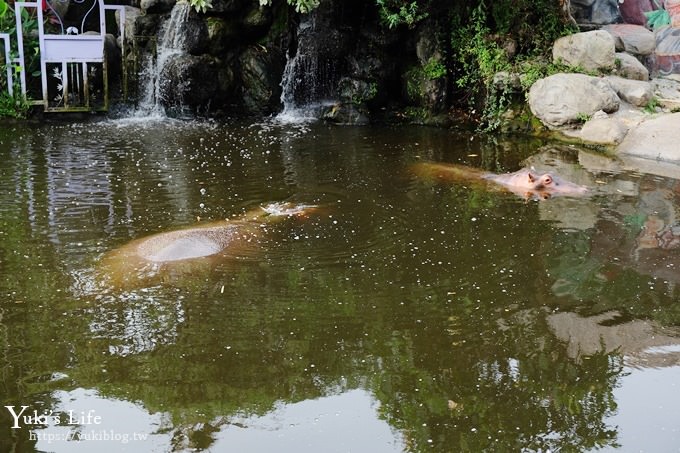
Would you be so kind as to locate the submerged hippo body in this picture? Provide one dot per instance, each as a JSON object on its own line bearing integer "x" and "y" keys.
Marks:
{"x": 525, "y": 182}
{"x": 531, "y": 182}
{"x": 165, "y": 256}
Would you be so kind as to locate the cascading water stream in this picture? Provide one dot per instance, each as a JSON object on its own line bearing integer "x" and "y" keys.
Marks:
{"x": 308, "y": 77}
{"x": 171, "y": 42}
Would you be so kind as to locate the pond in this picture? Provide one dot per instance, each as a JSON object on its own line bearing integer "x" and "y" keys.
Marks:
{"x": 399, "y": 314}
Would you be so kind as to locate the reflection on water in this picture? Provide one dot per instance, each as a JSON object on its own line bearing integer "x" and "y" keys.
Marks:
{"x": 88, "y": 421}
{"x": 407, "y": 315}
{"x": 338, "y": 423}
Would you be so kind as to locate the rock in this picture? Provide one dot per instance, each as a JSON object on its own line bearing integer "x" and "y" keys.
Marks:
{"x": 261, "y": 72}
{"x": 635, "y": 92}
{"x": 595, "y": 12}
{"x": 666, "y": 58}
{"x": 633, "y": 11}
{"x": 221, "y": 35}
{"x": 258, "y": 18}
{"x": 144, "y": 26}
{"x": 629, "y": 67}
{"x": 591, "y": 50}
{"x": 356, "y": 91}
{"x": 507, "y": 81}
{"x": 655, "y": 138}
{"x": 182, "y": 82}
{"x": 604, "y": 131}
{"x": 424, "y": 86}
{"x": 667, "y": 92}
{"x": 346, "y": 113}
{"x": 564, "y": 98}
{"x": 228, "y": 6}
{"x": 423, "y": 91}
{"x": 156, "y": 6}
{"x": 194, "y": 32}
{"x": 634, "y": 39}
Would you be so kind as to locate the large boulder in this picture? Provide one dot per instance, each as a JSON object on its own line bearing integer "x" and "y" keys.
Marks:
{"x": 261, "y": 71}
{"x": 566, "y": 98}
{"x": 655, "y": 138}
{"x": 182, "y": 83}
{"x": 635, "y": 92}
{"x": 591, "y": 50}
{"x": 634, "y": 39}
{"x": 604, "y": 131}
{"x": 629, "y": 67}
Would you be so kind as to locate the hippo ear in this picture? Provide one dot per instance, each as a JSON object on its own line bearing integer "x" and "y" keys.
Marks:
{"x": 531, "y": 177}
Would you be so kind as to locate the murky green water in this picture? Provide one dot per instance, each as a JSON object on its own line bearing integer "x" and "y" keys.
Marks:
{"x": 405, "y": 315}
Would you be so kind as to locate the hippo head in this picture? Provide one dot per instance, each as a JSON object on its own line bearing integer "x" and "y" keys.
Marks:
{"x": 539, "y": 182}
{"x": 547, "y": 185}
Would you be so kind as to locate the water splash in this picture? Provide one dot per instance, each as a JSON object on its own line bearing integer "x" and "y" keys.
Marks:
{"x": 172, "y": 41}
{"x": 287, "y": 209}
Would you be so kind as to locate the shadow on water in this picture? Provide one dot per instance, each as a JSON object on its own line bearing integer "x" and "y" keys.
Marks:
{"x": 411, "y": 315}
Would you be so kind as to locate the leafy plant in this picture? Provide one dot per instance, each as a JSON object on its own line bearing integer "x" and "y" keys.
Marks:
{"x": 434, "y": 69}
{"x": 12, "y": 105}
{"x": 400, "y": 12}
{"x": 513, "y": 36}
{"x": 582, "y": 117}
{"x": 201, "y": 6}
{"x": 301, "y": 6}
{"x": 652, "y": 105}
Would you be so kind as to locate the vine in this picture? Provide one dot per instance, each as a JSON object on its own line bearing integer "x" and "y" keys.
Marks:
{"x": 506, "y": 36}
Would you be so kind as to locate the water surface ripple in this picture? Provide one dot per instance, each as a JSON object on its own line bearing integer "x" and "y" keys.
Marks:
{"x": 400, "y": 314}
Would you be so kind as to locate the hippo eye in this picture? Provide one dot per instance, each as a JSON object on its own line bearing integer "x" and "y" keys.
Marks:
{"x": 547, "y": 180}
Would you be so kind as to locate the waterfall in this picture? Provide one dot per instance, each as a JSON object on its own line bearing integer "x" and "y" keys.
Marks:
{"x": 308, "y": 81}
{"x": 172, "y": 42}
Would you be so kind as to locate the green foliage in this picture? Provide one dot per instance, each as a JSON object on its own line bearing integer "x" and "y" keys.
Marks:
{"x": 419, "y": 79}
{"x": 513, "y": 36}
{"x": 400, "y": 12}
{"x": 13, "y": 106}
{"x": 652, "y": 105}
{"x": 416, "y": 113}
{"x": 6, "y": 16}
{"x": 201, "y": 6}
{"x": 434, "y": 69}
{"x": 479, "y": 56}
{"x": 301, "y": 6}
{"x": 583, "y": 117}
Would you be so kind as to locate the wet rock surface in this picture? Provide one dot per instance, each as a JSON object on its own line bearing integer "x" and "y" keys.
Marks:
{"x": 565, "y": 98}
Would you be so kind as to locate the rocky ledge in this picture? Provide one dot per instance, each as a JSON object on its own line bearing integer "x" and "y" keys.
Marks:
{"x": 622, "y": 108}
